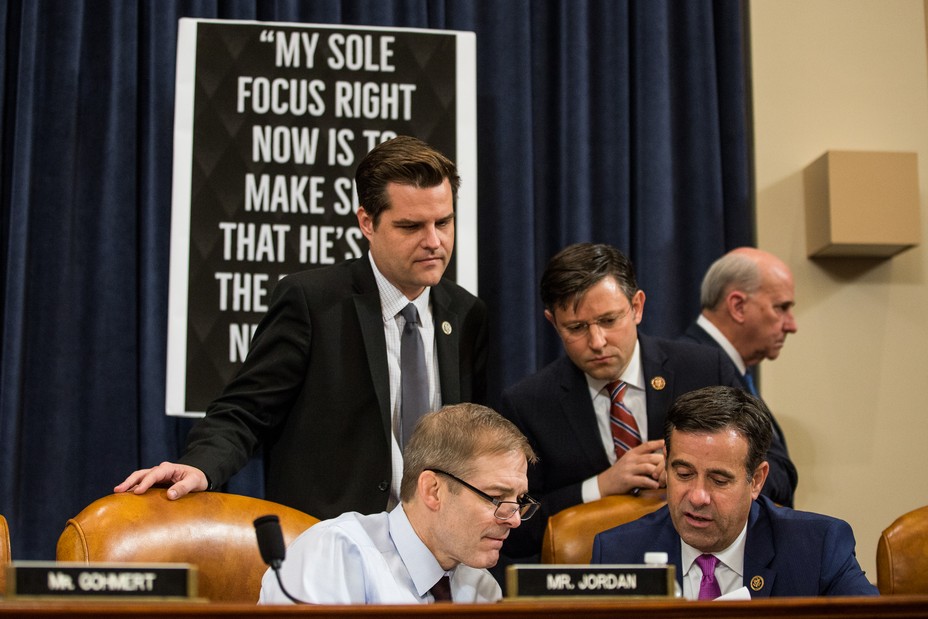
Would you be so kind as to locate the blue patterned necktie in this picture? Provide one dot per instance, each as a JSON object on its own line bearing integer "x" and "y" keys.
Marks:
{"x": 749, "y": 381}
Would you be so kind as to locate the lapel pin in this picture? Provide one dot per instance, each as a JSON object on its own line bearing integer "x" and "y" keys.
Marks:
{"x": 658, "y": 382}
{"x": 757, "y": 583}
{"x": 446, "y": 327}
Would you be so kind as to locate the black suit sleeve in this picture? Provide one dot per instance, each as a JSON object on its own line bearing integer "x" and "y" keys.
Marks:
{"x": 783, "y": 477}
{"x": 526, "y": 540}
{"x": 260, "y": 396}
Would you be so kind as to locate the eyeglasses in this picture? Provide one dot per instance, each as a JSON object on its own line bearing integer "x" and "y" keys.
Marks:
{"x": 525, "y": 505}
{"x": 572, "y": 331}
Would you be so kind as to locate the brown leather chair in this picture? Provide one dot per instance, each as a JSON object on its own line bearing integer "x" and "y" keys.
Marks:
{"x": 902, "y": 555}
{"x": 569, "y": 534}
{"x": 212, "y": 530}
{"x": 5, "y": 553}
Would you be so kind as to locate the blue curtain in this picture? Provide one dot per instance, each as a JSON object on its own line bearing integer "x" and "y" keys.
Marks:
{"x": 623, "y": 122}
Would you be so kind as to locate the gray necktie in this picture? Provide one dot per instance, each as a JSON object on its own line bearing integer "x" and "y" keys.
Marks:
{"x": 414, "y": 378}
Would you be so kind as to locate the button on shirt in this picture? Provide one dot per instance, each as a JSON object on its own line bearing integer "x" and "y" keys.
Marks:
{"x": 729, "y": 572}
{"x": 391, "y": 302}
{"x": 636, "y": 401}
{"x": 369, "y": 559}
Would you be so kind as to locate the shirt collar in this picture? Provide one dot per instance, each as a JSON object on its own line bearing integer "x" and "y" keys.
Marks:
{"x": 423, "y": 567}
{"x": 733, "y": 556}
{"x": 633, "y": 374}
{"x": 722, "y": 341}
{"x": 392, "y": 300}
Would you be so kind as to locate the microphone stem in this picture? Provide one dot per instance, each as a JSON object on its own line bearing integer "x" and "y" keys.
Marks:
{"x": 280, "y": 582}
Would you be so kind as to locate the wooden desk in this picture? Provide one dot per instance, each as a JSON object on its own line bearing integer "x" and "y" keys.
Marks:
{"x": 778, "y": 608}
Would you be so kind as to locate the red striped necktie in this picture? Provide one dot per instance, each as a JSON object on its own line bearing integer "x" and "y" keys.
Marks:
{"x": 625, "y": 433}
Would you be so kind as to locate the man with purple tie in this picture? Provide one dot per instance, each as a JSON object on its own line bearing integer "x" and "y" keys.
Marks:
{"x": 717, "y": 530}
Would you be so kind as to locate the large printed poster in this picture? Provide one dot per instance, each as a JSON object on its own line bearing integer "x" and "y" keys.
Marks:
{"x": 270, "y": 121}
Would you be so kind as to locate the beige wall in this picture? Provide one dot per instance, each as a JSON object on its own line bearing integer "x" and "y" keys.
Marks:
{"x": 850, "y": 387}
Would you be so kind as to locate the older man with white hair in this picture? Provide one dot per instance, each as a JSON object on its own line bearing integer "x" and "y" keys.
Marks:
{"x": 747, "y": 300}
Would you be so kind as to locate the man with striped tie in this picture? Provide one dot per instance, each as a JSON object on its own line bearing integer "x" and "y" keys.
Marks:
{"x": 595, "y": 416}
{"x": 747, "y": 300}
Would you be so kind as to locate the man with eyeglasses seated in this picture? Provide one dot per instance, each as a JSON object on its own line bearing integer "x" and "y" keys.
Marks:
{"x": 595, "y": 417}
{"x": 463, "y": 490}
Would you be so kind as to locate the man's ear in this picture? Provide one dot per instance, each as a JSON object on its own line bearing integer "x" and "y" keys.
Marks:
{"x": 366, "y": 223}
{"x": 735, "y": 303}
{"x": 760, "y": 476}
{"x": 551, "y": 318}
{"x": 638, "y": 306}
{"x": 428, "y": 488}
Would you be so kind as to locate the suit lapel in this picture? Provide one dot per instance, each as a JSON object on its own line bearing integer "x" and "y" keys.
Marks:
{"x": 703, "y": 337}
{"x": 669, "y": 541}
{"x": 700, "y": 335}
{"x": 658, "y": 379}
{"x": 759, "y": 553}
{"x": 370, "y": 318}
{"x": 447, "y": 342}
{"x": 576, "y": 410}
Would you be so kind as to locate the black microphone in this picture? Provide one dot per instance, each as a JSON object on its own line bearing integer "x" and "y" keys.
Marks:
{"x": 270, "y": 540}
{"x": 273, "y": 550}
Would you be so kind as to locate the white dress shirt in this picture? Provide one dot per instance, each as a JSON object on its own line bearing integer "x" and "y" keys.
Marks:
{"x": 722, "y": 341}
{"x": 729, "y": 571}
{"x": 391, "y": 302}
{"x": 369, "y": 559}
{"x": 635, "y": 400}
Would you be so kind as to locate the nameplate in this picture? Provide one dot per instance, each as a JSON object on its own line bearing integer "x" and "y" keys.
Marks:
{"x": 593, "y": 581}
{"x": 117, "y": 581}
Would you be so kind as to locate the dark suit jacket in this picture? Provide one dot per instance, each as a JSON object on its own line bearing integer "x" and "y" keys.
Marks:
{"x": 314, "y": 390}
{"x": 554, "y": 410}
{"x": 786, "y": 552}
{"x": 783, "y": 477}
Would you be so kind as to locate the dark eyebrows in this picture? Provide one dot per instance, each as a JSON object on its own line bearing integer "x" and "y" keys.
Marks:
{"x": 722, "y": 473}
{"x": 415, "y": 222}
{"x": 678, "y": 462}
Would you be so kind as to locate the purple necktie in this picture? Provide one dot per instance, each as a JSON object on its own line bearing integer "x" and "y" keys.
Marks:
{"x": 708, "y": 586}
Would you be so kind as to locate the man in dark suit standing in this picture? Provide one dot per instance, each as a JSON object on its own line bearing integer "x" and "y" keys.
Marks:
{"x": 591, "y": 297}
{"x": 747, "y": 300}
{"x": 716, "y": 529}
{"x": 322, "y": 389}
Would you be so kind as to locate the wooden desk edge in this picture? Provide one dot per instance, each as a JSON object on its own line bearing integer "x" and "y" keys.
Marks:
{"x": 775, "y": 608}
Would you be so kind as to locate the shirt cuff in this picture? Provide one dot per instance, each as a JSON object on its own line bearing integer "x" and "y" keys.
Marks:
{"x": 589, "y": 491}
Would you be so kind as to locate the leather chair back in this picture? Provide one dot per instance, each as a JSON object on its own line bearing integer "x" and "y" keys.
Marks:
{"x": 902, "y": 555}
{"x": 212, "y": 530}
{"x": 569, "y": 534}
{"x": 5, "y": 554}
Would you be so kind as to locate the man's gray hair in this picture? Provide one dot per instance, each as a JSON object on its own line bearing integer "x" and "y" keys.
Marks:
{"x": 733, "y": 271}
